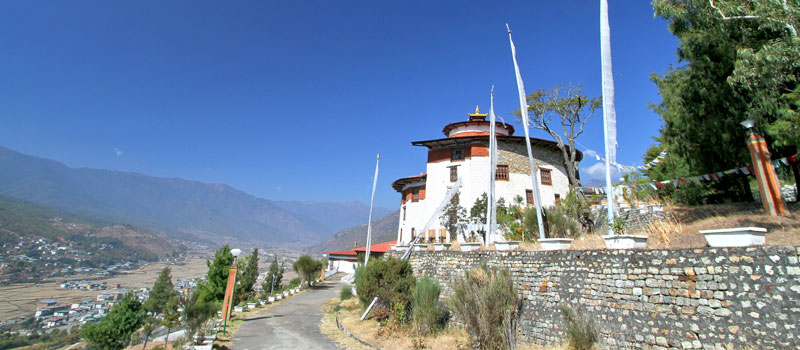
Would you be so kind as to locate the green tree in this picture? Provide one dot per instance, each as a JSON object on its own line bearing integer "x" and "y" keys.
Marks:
{"x": 392, "y": 281}
{"x": 572, "y": 109}
{"x": 196, "y": 312}
{"x": 478, "y": 211}
{"x": 162, "y": 291}
{"x": 736, "y": 60}
{"x": 172, "y": 316}
{"x": 274, "y": 277}
{"x": 248, "y": 274}
{"x": 307, "y": 268}
{"x": 115, "y": 329}
{"x": 150, "y": 325}
{"x": 217, "y": 276}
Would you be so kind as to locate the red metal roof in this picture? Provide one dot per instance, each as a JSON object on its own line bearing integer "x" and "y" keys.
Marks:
{"x": 377, "y": 248}
{"x": 343, "y": 252}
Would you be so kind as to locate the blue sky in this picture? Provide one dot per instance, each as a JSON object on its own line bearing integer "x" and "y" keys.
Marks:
{"x": 293, "y": 99}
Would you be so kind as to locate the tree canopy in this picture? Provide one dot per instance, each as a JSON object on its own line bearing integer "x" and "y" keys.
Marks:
{"x": 307, "y": 267}
{"x": 162, "y": 291}
{"x": 115, "y": 329}
{"x": 217, "y": 275}
{"x": 248, "y": 273}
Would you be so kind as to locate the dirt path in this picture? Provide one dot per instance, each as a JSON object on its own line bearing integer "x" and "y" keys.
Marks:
{"x": 294, "y": 324}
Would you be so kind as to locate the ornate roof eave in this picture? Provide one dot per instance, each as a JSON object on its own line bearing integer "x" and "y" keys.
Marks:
{"x": 466, "y": 140}
{"x": 400, "y": 183}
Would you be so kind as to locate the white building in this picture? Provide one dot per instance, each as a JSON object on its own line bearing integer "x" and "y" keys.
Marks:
{"x": 465, "y": 153}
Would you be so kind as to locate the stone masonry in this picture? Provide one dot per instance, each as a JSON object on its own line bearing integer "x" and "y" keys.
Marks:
{"x": 710, "y": 298}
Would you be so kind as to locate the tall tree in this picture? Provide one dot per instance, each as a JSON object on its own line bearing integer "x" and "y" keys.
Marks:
{"x": 737, "y": 58}
{"x": 196, "y": 312}
{"x": 274, "y": 277}
{"x": 150, "y": 325}
{"x": 247, "y": 276}
{"x": 572, "y": 109}
{"x": 162, "y": 291}
{"x": 217, "y": 275}
{"x": 171, "y": 316}
{"x": 307, "y": 268}
{"x": 115, "y": 329}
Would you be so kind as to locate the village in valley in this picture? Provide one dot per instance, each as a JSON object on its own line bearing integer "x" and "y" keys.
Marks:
{"x": 599, "y": 175}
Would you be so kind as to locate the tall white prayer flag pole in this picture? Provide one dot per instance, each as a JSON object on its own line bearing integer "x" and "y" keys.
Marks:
{"x": 371, "y": 200}
{"x": 491, "y": 209}
{"x": 609, "y": 112}
{"x": 523, "y": 110}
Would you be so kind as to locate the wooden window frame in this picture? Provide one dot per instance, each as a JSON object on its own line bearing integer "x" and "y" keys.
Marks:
{"x": 415, "y": 194}
{"x": 529, "y": 197}
{"x": 458, "y": 154}
{"x": 404, "y": 213}
{"x": 453, "y": 173}
{"x": 501, "y": 175}
{"x": 549, "y": 178}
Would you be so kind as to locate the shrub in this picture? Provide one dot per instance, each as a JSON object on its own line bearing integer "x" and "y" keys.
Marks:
{"x": 346, "y": 293}
{"x": 391, "y": 280}
{"x": 560, "y": 224}
{"x": 580, "y": 331}
{"x": 425, "y": 305}
{"x": 486, "y": 301}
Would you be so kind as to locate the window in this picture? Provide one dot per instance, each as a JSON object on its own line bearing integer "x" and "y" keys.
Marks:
{"x": 413, "y": 233}
{"x": 457, "y": 154}
{"x": 545, "y": 174}
{"x": 529, "y": 196}
{"x": 453, "y": 173}
{"x": 558, "y": 198}
{"x": 415, "y": 195}
{"x": 404, "y": 213}
{"x": 501, "y": 173}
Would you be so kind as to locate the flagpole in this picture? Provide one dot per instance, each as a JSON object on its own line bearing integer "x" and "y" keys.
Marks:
{"x": 523, "y": 111}
{"x": 490, "y": 202}
{"x": 609, "y": 112}
{"x": 371, "y": 201}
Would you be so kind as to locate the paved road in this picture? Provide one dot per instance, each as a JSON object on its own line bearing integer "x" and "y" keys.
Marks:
{"x": 294, "y": 324}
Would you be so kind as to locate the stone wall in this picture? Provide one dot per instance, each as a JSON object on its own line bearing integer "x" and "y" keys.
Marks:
{"x": 648, "y": 299}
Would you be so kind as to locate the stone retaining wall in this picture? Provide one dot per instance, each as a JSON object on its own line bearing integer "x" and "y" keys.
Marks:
{"x": 648, "y": 299}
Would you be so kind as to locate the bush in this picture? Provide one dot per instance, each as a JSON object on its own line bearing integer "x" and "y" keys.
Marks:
{"x": 391, "y": 280}
{"x": 580, "y": 331}
{"x": 486, "y": 301}
{"x": 346, "y": 293}
{"x": 425, "y": 306}
{"x": 560, "y": 224}
{"x": 295, "y": 282}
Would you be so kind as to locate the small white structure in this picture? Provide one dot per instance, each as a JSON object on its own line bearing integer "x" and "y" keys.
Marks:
{"x": 735, "y": 237}
{"x": 555, "y": 243}
{"x": 625, "y": 241}
{"x": 506, "y": 245}
{"x": 343, "y": 260}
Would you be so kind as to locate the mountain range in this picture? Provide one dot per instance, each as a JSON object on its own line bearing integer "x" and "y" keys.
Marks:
{"x": 174, "y": 207}
{"x": 383, "y": 230}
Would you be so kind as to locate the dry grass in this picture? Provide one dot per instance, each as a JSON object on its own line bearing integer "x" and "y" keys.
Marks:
{"x": 395, "y": 338}
{"x": 588, "y": 242}
{"x": 681, "y": 227}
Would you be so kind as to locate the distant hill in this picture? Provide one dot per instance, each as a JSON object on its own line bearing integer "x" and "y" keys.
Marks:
{"x": 181, "y": 208}
{"x": 38, "y": 242}
{"x": 383, "y": 230}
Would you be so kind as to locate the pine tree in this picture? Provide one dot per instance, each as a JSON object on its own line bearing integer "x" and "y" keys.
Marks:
{"x": 114, "y": 331}
{"x": 274, "y": 278}
{"x": 171, "y": 316}
{"x": 217, "y": 275}
{"x": 248, "y": 274}
{"x": 162, "y": 291}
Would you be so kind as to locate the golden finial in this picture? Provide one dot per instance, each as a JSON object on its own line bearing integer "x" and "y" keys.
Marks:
{"x": 477, "y": 114}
